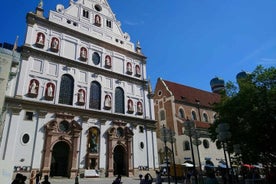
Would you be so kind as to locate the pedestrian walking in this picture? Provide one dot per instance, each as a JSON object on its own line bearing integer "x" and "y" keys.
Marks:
{"x": 158, "y": 177}
{"x": 77, "y": 179}
{"x": 46, "y": 180}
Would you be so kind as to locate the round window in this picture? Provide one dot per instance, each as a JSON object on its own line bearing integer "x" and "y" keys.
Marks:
{"x": 98, "y": 8}
{"x": 25, "y": 138}
{"x": 142, "y": 145}
{"x": 96, "y": 58}
{"x": 159, "y": 93}
{"x": 206, "y": 143}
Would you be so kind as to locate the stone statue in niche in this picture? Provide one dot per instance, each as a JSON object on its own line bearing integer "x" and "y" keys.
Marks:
{"x": 54, "y": 44}
{"x": 81, "y": 96}
{"x": 33, "y": 87}
{"x": 107, "y": 102}
{"x": 129, "y": 68}
{"x": 138, "y": 71}
{"x": 50, "y": 90}
{"x": 139, "y": 108}
{"x": 40, "y": 40}
{"x": 107, "y": 61}
{"x": 130, "y": 106}
{"x": 98, "y": 20}
{"x": 83, "y": 54}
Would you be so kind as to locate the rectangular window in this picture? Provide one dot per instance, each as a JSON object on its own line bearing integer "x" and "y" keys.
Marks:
{"x": 108, "y": 23}
{"x": 85, "y": 13}
{"x": 29, "y": 116}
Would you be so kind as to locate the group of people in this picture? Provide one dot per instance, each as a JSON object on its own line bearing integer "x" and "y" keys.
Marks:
{"x": 146, "y": 180}
{"x": 34, "y": 178}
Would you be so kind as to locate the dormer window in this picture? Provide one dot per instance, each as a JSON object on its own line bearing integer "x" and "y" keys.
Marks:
{"x": 97, "y": 20}
{"x": 54, "y": 45}
{"x": 129, "y": 68}
{"x": 108, "y": 63}
{"x": 40, "y": 39}
{"x": 83, "y": 54}
{"x": 85, "y": 13}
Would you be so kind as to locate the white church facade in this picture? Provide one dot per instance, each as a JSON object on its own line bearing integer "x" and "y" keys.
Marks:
{"x": 80, "y": 103}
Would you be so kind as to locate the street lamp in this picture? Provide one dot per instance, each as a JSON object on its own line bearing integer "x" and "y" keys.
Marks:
{"x": 165, "y": 138}
{"x": 189, "y": 130}
{"x": 172, "y": 140}
{"x": 223, "y": 136}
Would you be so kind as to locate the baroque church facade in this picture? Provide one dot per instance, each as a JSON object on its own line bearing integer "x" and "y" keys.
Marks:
{"x": 80, "y": 103}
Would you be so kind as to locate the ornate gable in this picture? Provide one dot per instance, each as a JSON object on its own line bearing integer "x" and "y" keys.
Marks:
{"x": 94, "y": 18}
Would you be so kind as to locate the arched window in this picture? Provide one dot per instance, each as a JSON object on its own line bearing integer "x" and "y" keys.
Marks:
{"x": 194, "y": 115}
{"x": 119, "y": 100}
{"x": 66, "y": 90}
{"x": 96, "y": 58}
{"x": 205, "y": 117}
{"x": 162, "y": 115}
{"x": 186, "y": 145}
{"x": 95, "y": 96}
{"x": 181, "y": 113}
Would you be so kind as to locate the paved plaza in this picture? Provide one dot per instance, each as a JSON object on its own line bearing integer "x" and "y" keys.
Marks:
{"x": 125, "y": 180}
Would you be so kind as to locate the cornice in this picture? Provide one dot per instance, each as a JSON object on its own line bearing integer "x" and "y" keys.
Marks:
{"x": 56, "y": 108}
{"x": 33, "y": 19}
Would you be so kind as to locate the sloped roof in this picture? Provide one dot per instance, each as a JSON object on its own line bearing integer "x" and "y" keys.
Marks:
{"x": 192, "y": 95}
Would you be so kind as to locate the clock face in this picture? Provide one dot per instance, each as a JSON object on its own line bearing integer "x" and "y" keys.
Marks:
{"x": 96, "y": 58}
{"x": 64, "y": 126}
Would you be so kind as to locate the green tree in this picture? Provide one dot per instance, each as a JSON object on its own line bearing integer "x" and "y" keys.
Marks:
{"x": 249, "y": 107}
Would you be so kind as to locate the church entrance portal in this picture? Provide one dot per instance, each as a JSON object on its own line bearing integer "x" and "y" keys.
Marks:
{"x": 59, "y": 162}
{"x": 119, "y": 160}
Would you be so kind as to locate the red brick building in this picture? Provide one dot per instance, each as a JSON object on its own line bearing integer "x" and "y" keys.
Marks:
{"x": 173, "y": 104}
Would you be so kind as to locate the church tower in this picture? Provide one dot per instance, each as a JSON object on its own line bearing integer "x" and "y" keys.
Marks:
{"x": 81, "y": 103}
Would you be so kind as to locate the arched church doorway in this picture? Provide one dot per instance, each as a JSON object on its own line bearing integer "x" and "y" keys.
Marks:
{"x": 60, "y": 159}
{"x": 119, "y": 160}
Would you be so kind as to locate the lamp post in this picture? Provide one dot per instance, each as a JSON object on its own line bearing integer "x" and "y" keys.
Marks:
{"x": 223, "y": 136}
{"x": 197, "y": 142}
{"x": 164, "y": 138}
{"x": 189, "y": 128}
{"x": 172, "y": 140}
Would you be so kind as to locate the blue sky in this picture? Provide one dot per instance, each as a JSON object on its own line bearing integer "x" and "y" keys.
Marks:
{"x": 186, "y": 41}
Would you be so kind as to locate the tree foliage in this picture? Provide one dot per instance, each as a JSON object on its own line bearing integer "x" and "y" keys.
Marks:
{"x": 249, "y": 107}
